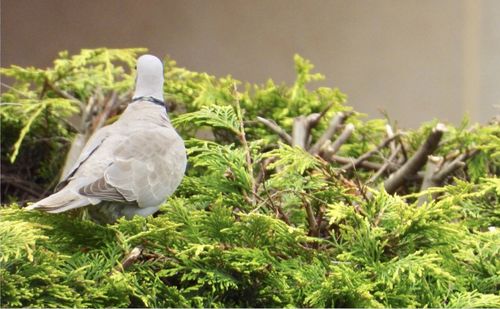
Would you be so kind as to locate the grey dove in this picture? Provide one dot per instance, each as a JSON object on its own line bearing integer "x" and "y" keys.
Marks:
{"x": 131, "y": 166}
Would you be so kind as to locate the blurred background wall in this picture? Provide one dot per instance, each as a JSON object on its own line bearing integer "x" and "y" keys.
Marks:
{"x": 415, "y": 59}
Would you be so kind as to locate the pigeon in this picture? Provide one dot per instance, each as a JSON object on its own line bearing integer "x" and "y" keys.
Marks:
{"x": 131, "y": 166}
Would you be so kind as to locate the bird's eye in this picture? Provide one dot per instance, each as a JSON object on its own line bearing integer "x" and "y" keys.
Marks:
{"x": 135, "y": 67}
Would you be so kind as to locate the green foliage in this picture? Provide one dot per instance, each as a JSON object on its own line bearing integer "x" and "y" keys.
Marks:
{"x": 36, "y": 110}
{"x": 255, "y": 222}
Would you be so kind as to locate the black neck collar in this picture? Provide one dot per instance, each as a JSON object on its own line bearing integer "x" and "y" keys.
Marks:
{"x": 150, "y": 99}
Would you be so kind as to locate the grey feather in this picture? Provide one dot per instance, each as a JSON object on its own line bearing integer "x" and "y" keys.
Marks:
{"x": 129, "y": 167}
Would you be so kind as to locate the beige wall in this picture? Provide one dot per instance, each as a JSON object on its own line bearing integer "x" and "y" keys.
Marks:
{"x": 416, "y": 59}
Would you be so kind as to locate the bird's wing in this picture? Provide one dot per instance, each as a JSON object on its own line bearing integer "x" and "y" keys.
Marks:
{"x": 146, "y": 168}
{"x": 94, "y": 142}
{"x": 102, "y": 190}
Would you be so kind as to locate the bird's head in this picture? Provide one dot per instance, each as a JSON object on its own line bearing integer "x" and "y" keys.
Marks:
{"x": 149, "y": 79}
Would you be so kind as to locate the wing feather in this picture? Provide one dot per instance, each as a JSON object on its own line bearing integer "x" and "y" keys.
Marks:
{"x": 154, "y": 161}
{"x": 146, "y": 168}
{"x": 91, "y": 147}
{"x": 102, "y": 190}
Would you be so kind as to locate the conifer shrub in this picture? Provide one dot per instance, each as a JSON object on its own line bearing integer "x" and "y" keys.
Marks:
{"x": 291, "y": 198}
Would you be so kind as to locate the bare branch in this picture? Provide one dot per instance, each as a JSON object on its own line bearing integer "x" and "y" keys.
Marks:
{"x": 335, "y": 146}
{"x": 384, "y": 166}
{"x": 335, "y": 122}
{"x": 16, "y": 90}
{"x": 370, "y": 153}
{"x": 276, "y": 129}
{"x": 10, "y": 103}
{"x": 103, "y": 116}
{"x": 390, "y": 133}
{"x": 27, "y": 186}
{"x": 417, "y": 161}
{"x": 300, "y": 131}
{"x": 433, "y": 164}
{"x": 64, "y": 94}
{"x": 315, "y": 118}
{"x": 365, "y": 164}
{"x": 261, "y": 175}
{"x": 275, "y": 207}
{"x": 311, "y": 219}
{"x": 437, "y": 171}
{"x": 130, "y": 258}
{"x": 450, "y": 167}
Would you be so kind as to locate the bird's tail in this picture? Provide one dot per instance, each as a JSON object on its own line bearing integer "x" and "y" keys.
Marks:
{"x": 61, "y": 201}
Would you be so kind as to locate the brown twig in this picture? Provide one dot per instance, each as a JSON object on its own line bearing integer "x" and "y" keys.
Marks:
{"x": 15, "y": 90}
{"x": 319, "y": 218}
{"x": 370, "y": 153}
{"x": 100, "y": 120}
{"x": 384, "y": 166}
{"x": 415, "y": 163}
{"x": 433, "y": 165}
{"x": 365, "y": 164}
{"x": 317, "y": 117}
{"x": 312, "y": 121}
{"x": 130, "y": 258}
{"x": 437, "y": 171}
{"x": 361, "y": 189}
{"x": 300, "y": 131}
{"x": 404, "y": 153}
{"x": 334, "y": 124}
{"x": 335, "y": 146}
{"x": 390, "y": 133}
{"x": 311, "y": 218}
{"x": 450, "y": 167}
{"x": 63, "y": 94}
{"x": 275, "y": 207}
{"x": 26, "y": 186}
{"x": 379, "y": 217}
{"x": 276, "y": 129}
{"x": 262, "y": 172}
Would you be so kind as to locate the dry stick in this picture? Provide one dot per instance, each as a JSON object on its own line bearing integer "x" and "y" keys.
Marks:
{"x": 335, "y": 122}
{"x": 379, "y": 217}
{"x": 319, "y": 218}
{"x": 300, "y": 131}
{"x": 452, "y": 166}
{"x": 80, "y": 139}
{"x": 384, "y": 166}
{"x": 103, "y": 116}
{"x": 390, "y": 133}
{"x": 433, "y": 164}
{"x": 360, "y": 187}
{"x": 262, "y": 172}
{"x": 415, "y": 163}
{"x": 26, "y": 186}
{"x": 311, "y": 219}
{"x": 370, "y": 153}
{"x": 404, "y": 157}
{"x": 315, "y": 118}
{"x": 278, "y": 208}
{"x": 365, "y": 164}
{"x": 438, "y": 175}
{"x": 130, "y": 258}
{"x": 64, "y": 94}
{"x": 15, "y": 90}
{"x": 344, "y": 136}
{"x": 276, "y": 129}
{"x": 312, "y": 121}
